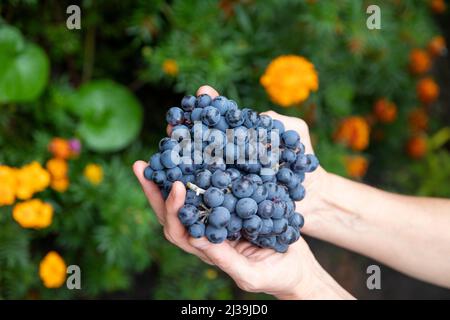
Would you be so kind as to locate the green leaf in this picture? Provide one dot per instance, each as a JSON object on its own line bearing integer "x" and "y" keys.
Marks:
{"x": 111, "y": 117}
{"x": 24, "y": 68}
{"x": 338, "y": 98}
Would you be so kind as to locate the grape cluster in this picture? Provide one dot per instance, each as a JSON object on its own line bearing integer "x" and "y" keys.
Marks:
{"x": 243, "y": 172}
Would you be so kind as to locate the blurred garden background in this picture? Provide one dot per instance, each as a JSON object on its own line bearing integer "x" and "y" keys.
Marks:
{"x": 78, "y": 107}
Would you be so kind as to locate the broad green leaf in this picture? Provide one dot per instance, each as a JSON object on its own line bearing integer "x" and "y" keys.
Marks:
{"x": 338, "y": 98}
{"x": 24, "y": 71}
{"x": 111, "y": 117}
{"x": 11, "y": 40}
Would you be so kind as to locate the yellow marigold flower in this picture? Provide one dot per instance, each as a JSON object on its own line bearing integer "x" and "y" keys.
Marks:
{"x": 211, "y": 274}
{"x": 427, "y": 90}
{"x": 416, "y": 147}
{"x": 52, "y": 270}
{"x": 33, "y": 214}
{"x": 356, "y": 166}
{"x": 60, "y": 184}
{"x": 419, "y": 61}
{"x": 94, "y": 173}
{"x": 289, "y": 79}
{"x": 418, "y": 120}
{"x": 57, "y": 167}
{"x": 8, "y": 185}
{"x": 437, "y": 46}
{"x": 438, "y": 6}
{"x": 354, "y": 132}
{"x": 385, "y": 110}
{"x": 60, "y": 148}
{"x": 170, "y": 67}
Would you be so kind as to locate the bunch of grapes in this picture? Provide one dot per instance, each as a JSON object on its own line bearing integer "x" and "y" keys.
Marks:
{"x": 242, "y": 170}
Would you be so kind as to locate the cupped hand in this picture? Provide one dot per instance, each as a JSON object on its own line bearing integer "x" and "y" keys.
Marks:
{"x": 294, "y": 274}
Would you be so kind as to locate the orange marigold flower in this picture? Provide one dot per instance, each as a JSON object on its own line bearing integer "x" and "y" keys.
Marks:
{"x": 57, "y": 167}
{"x": 289, "y": 79}
{"x": 8, "y": 185}
{"x": 60, "y": 184}
{"x": 427, "y": 90}
{"x": 170, "y": 67}
{"x": 419, "y": 61}
{"x": 356, "y": 166}
{"x": 436, "y": 46}
{"x": 31, "y": 178}
{"x": 52, "y": 270}
{"x": 94, "y": 173}
{"x": 416, "y": 147}
{"x": 33, "y": 214}
{"x": 438, "y": 6}
{"x": 385, "y": 110}
{"x": 60, "y": 148}
{"x": 354, "y": 132}
{"x": 418, "y": 120}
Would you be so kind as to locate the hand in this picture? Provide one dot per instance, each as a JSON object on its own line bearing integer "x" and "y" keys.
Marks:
{"x": 292, "y": 275}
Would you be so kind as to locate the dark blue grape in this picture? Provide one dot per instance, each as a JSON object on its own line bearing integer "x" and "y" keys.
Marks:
{"x": 174, "y": 174}
{"x": 278, "y": 209}
{"x": 265, "y": 209}
{"x": 298, "y": 193}
{"x": 234, "y": 236}
{"x": 167, "y": 144}
{"x": 313, "y": 163}
{"x": 235, "y": 224}
{"x": 196, "y": 114}
{"x": 280, "y": 247}
{"x": 234, "y": 173}
{"x": 297, "y": 220}
{"x": 210, "y": 116}
{"x": 255, "y": 178}
{"x": 180, "y": 133}
{"x": 242, "y": 188}
{"x": 229, "y": 202}
{"x": 252, "y": 224}
{"x": 220, "y": 179}
{"x": 186, "y": 168}
{"x": 300, "y": 164}
{"x": 290, "y": 139}
{"x": 188, "y": 214}
{"x": 193, "y": 198}
{"x": 222, "y": 125}
{"x": 250, "y": 118}
{"x": 213, "y": 197}
{"x": 265, "y": 122}
{"x": 215, "y": 235}
{"x": 187, "y": 178}
{"x": 221, "y": 104}
{"x": 174, "y": 116}
{"x": 267, "y": 241}
{"x": 203, "y": 101}
{"x": 155, "y": 162}
{"x": 288, "y": 156}
{"x": 219, "y": 217}
{"x": 197, "y": 230}
{"x": 234, "y": 117}
{"x": 246, "y": 207}
{"x": 279, "y": 225}
{"x": 188, "y": 103}
{"x": 260, "y": 193}
{"x": 284, "y": 175}
{"x": 278, "y": 125}
{"x": 288, "y": 236}
{"x": 148, "y": 171}
{"x": 159, "y": 177}
{"x": 203, "y": 179}
{"x": 266, "y": 226}
{"x": 170, "y": 159}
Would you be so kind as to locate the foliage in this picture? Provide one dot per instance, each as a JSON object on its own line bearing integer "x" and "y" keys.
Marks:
{"x": 110, "y": 83}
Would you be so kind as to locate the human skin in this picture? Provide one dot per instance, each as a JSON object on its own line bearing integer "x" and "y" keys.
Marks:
{"x": 407, "y": 233}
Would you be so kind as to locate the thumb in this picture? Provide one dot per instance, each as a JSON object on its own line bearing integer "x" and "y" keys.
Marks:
{"x": 225, "y": 257}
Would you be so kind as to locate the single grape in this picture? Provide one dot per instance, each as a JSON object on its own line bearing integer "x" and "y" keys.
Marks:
{"x": 260, "y": 193}
{"x": 174, "y": 116}
{"x": 197, "y": 230}
{"x": 255, "y": 178}
{"x": 221, "y": 104}
{"x": 246, "y": 207}
{"x": 252, "y": 224}
{"x": 300, "y": 164}
{"x": 313, "y": 163}
{"x": 188, "y": 214}
{"x": 265, "y": 122}
{"x": 222, "y": 124}
{"x": 188, "y": 103}
{"x": 187, "y": 178}
{"x": 180, "y": 133}
{"x": 203, "y": 101}
{"x": 232, "y": 105}
{"x": 193, "y": 198}
{"x": 158, "y": 177}
{"x": 213, "y": 197}
{"x": 167, "y": 144}
{"x": 210, "y": 116}
{"x": 298, "y": 193}
{"x": 155, "y": 162}
{"x": 266, "y": 226}
{"x": 288, "y": 156}
{"x": 242, "y": 188}
{"x": 250, "y": 118}
{"x": 229, "y": 202}
{"x": 216, "y": 235}
{"x": 297, "y": 220}
{"x": 279, "y": 225}
{"x": 174, "y": 174}
{"x": 267, "y": 241}
{"x": 196, "y": 114}
{"x": 266, "y": 209}
{"x": 170, "y": 159}
{"x": 234, "y": 117}
{"x": 288, "y": 236}
{"x": 280, "y": 247}
{"x": 219, "y": 217}
{"x": 284, "y": 175}
{"x": 234, "y": 236}
{"x": 220, "y": 179}
{"x": 278, "y": 125}
{"x": 203, "y": 178}
{"x": 290, "y": 139}
{"x": 148, "y": 171}
{"x": 235, "y": 224}
{"x": 234, "y": 173}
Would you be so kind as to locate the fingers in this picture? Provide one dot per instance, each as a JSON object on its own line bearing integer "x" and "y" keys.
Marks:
{"x": 169, "y": 130}
{"x": 151, "y": 190}
{"x": 225, "y": 257}
{"x": 207, "y": 90}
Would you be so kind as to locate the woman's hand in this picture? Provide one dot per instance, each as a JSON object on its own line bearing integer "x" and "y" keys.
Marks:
{"x": 292, "y": 275}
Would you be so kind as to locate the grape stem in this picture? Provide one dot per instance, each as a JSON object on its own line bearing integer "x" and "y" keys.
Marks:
{"x": 195, "y": 188}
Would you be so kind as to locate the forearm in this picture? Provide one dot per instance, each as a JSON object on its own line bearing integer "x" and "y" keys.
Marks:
{"x": 409, "y": 234}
